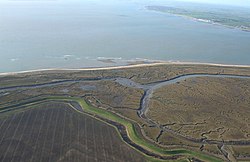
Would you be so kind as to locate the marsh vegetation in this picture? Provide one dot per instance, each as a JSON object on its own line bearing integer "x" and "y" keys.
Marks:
{"x": 201, "y": 117}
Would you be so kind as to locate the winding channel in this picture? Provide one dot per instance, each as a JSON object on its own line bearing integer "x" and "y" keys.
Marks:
{"x": 148, "y": 92}
{"x": 150, "y": 88}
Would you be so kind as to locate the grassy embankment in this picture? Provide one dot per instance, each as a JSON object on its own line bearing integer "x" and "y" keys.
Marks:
{"x": 133, "y": 134}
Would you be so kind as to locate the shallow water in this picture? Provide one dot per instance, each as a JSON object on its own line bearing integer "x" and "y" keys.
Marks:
{"x": 74, "y": 34}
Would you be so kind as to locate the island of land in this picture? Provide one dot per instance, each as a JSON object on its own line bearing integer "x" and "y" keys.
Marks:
{"x": 229, "y": 17}
{"x": 146, "y": 112}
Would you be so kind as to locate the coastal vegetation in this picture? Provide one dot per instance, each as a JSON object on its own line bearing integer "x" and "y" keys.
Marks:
{"x": 118, "y": 99}
{"x": 212, "y": 108}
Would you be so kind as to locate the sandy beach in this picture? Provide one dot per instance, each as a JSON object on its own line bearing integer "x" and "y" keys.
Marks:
{"x": 126, "y": 66}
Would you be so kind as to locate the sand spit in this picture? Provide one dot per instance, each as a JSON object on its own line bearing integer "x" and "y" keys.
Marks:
{"x": 125, "y": 67}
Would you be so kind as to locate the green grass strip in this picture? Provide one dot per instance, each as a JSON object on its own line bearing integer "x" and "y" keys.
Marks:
{"x": 132, "y": 133}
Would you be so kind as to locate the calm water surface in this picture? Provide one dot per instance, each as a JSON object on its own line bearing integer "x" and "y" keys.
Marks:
{"x": 74, "y": 34}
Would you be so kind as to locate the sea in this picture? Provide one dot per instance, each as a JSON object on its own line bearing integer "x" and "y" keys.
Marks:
{"x": 41, "y": 34}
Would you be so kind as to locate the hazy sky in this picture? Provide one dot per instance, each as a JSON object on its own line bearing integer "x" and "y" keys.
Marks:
{"x": 243, "y": 3}
{"x": 227, "y": 2}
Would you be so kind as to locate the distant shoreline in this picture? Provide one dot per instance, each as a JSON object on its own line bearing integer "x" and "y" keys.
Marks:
{"x": 202, "y": 20}
{"x": 126, "y": 67}
{"x": 211, "y": 22}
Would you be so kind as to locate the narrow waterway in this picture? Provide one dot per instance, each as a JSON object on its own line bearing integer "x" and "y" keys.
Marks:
{"x": 142, "y": 111}
{"x": 148, "y": 88}
{"x": 153, "y": 86}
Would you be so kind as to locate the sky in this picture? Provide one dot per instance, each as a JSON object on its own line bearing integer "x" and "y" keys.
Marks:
{"x": 243, "y": 3}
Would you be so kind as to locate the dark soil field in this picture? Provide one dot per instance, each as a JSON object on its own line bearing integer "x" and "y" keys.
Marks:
{"x": 53, "y": 131}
